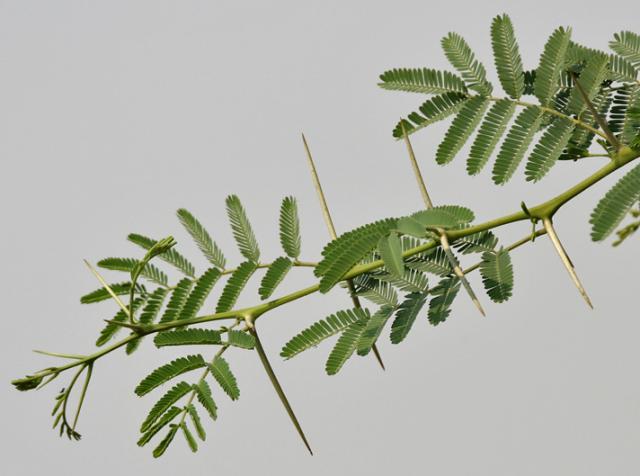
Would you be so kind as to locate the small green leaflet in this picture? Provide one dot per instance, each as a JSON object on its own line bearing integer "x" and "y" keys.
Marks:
{"x": 390, "y": 251}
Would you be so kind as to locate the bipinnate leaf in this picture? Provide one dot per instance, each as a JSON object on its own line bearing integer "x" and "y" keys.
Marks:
{"x": 321, "y": 330}
{"x": 169, "y": 371}
{"x": 421, "y": 80}
{"x": 170, "y": 256}
{"x": 613, "y": 207}
{"x": 205, "y": 397}
{"x": 189, "y": 336}
{"x": 166, "y": 441}
{"x": 290, "y": 227}
{"x": 222, "y": 373}
{"x": 203, "y": 286}
{"x": 343, "y": 253}
{"x": 390, "y": 251}
{"x": 166, "y": 418}
{"x": 241, "y": 228}
{"x": 149, "y": 271}
{"x": 274, "y": 276}
{"x": 165, "y": 402}
{"x": 202, "y": 238}
{"x": 431, "y": 111}
{"x": 507, "y": 56}
{"x": 373, "y": 329}
{"x": 234, "y": 286}
{"x": 406, "y": 316}
{"x": 345, "y": 346}
{"x": 497, "y": 275}
{"x": 462, "y": 58}
{"x": 551, "y": 65}
{"x": 444, "y": 293}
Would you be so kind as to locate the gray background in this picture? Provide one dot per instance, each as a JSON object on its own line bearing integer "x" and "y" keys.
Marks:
{"x": 114, "y": 114}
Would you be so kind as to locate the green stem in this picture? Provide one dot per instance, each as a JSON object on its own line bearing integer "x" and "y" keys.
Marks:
{"x": 545, "y": 210}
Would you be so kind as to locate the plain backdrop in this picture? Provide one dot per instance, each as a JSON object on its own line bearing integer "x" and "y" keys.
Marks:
{"x": 114, "y": 114}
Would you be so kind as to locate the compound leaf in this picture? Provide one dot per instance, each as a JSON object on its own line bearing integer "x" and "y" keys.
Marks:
{"x": 202, "y": 238}
{"x": 321, "y": 330}
{"x": 169, "y": 371}
{"x": 274, "y": 276}
{"x": 241, "y": 228}
{"x": 616, "y": 203}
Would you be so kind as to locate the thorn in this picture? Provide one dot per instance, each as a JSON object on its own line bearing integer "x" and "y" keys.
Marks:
{"x": 332, "y": 229}
{"x": 108, "y": 288}
{"x": 318, "y": 187}
{"x": 63, "y": 356}
{"x": 278, "y": 388}
{"x": 548, "y": 226}
{"x": 376, "y": 352}
{"x": 416, "y": 170}
{"x": 444, "y": 241}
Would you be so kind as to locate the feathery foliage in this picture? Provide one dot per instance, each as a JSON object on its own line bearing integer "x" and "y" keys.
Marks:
{"x": 274, "y": 276}
{"x": 461, "y": 129}
{"x": 345, "y": 346}
{"x": 101, "y": 294}
{"x": 171, "y": 256}
{"x": 128, "y": 265}
{"x": 177, "y": 300}
{"x": 390, "y": 251}
{"x": 348, "y": 249}
{"x": 422, "y": 80}
{"x": 444, "y": 216}
{"x": 406, "y": 316}
{"x": 165, "y": 402}
{"x": 551, "y": 64}
{"x": 376, "y": 291}
{"x": 290, "y": 227}
{"x": 462, "y": 58}
{"x": 202, "y": 238}
{"x": 169, "y": 371}
{"x": 221, "y": 371}
{"x": 199, "y": 293}
{"x": 507, "y": 56}
{"x": 548, "y": 149}
{"x": 497, "y": 274}
{"x": 627, "y": 45}
{"x": 411, "y": 281}
{"x": 516, "y": 143}
{"x": 162, "y": 422}
{"x": 492, "y": 128}
{"x": 444, "y": 293}
{"x": 584, "y": 98}
{"x": 433, "y": 262}
{"x": 476, "y": 243}
{"x": 205, "y": 397}
{"x": 234, "y": 286}
{"x": 373, "y": 329}
{"x": 149, "y": 314}
{"x": 241, "y": 228}
{"x": 322, "y": 330}
{"x": 431, "y": 111}
{"x": 613, "y": 207}
{"x": 112, "y": 328}
{"x": 188, "y": 337}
